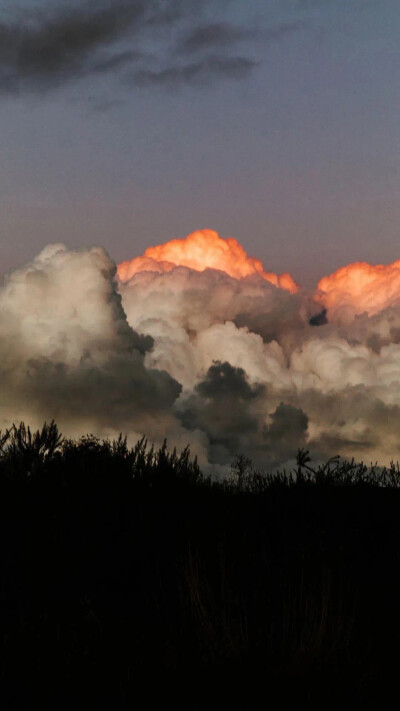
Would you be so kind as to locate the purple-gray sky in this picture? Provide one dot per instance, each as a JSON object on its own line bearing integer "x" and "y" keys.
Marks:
{"x": 130, "y": 122}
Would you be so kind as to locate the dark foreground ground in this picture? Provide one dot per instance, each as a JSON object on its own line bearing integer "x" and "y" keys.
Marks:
{"x": 129, "y": 582}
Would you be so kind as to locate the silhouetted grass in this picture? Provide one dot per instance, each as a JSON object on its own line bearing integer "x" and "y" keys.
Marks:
{"x": 128, "y": 578}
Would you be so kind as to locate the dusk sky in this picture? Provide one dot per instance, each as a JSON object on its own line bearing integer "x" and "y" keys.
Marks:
{"x": 199, "y": 353}
{"x": 128, "y": 123}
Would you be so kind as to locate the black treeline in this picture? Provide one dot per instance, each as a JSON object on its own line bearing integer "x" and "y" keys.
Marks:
{"x": 128, "y": 580}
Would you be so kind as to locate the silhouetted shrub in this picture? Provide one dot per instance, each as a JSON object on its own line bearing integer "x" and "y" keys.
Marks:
{"x": 128, "y": 578}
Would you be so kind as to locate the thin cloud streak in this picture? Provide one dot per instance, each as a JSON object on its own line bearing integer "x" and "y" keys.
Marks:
{"x": 213, "y": 36}
{"x": 222, "y": 35}
{"x": 200, "y": 72}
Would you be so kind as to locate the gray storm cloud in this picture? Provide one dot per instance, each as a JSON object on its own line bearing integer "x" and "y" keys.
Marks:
{"x": 229, "y": 365}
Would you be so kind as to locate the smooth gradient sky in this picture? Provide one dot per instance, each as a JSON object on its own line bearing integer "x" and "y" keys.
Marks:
{"x": 276, "y": 122}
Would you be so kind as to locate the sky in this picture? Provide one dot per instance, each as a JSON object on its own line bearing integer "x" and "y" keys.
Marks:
{"x": 127, "y": 123}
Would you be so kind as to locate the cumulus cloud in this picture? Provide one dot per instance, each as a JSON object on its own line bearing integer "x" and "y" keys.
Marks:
{"x": 68, "y": 352}
{"x": 233, "y": 414}
{"x": 360, "y": 288}
{"x": 196, "y": 317}
{"x": 172, "y": 347}
{"x": 222, "y": 407}
{"x": 337, "y": 377}
{"x": 201, "y": 250}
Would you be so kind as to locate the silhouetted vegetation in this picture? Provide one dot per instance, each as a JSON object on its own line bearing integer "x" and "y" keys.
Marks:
{"x": 128, "y": 579}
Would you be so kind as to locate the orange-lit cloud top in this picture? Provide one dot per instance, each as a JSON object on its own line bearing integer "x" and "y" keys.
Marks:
{"x": 361, "y": 287}
{"x": 201, "y": 250}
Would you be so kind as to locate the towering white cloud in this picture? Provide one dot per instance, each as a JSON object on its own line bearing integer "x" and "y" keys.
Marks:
{"x": 68, "y": 352}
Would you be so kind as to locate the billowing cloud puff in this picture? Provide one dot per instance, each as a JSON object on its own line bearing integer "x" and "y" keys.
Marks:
{"x": 68, "y": 352}
{"x": 186, "y": 311}
{"x": 233, "y": 415}
{"x": 201, "y": 250}
{"x": 359, "y": 288}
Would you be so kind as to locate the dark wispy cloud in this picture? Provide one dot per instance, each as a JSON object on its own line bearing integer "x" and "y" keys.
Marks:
{"x": 279, "y": 32}
{"x": 212, "y": 36}
{"x": 117, "y": 61}
{"x": 149, "y": 42}
{"x": 200, "y": 72}
{"x": 49, "y": 47}
{"x": 223, "y": 35}
{"x": 43, "y": 49}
